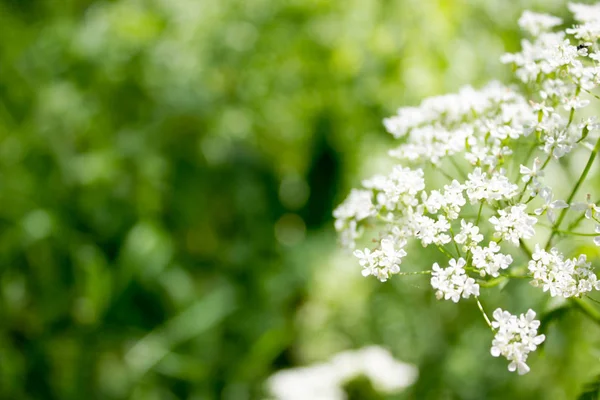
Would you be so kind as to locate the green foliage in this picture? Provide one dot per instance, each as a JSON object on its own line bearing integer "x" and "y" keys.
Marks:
{"x": 167, "y": 175}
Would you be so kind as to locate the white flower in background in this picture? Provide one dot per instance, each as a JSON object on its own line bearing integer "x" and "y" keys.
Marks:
{"x": 468, "y": 236}
{"x": 591, "y": 209}
{"x": 387, "y": 375}
{"x": 325, "y": 381}
{"x": 535, "y": 23}
{"x": 513, "y": 224}
{"x": 542, "y": 110}
{"x": 562, "y": 277}
{"x": 452, "y": 282}
{"x": 574, "y": 103}
{"x": 489, "y": 260}
{"x": 515, "y": 338}
{"x": 549, "y": 205}
{"x": 597, "y": 238}
{"x": 320, "y": 382}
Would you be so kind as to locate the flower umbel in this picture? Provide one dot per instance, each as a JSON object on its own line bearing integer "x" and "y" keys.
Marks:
{"x": 478, "y": 166}
{"x": 515, "y": 338}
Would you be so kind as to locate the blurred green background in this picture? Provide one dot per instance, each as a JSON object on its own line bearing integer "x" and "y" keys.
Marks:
{"x": 168, "y": 169}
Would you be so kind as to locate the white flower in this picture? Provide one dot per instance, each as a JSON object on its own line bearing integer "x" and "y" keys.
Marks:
{"x": 541, "y": 108}
{"x": 430, "y": 231}
{"x": 515, "y": 338}
{"x": 591, "y": 209}
{"x": 452, "y": 282}
{"x": 469, "y": 235}
{"x": 597, "y": 238}
{"x": 325, "y": 381}
{"x": 535, "y": 23}
{"x": 497, "y": 187}
{"x": 451, "y": 201}
{"x": 564, "y": 278}
{"x": 384, "y": 261}
{"x": 533, "y": 173}
{"x": 399, "y": 189}
{"x": 357, "y": 207}
{"x": 574, "y": 103}
{"x": 549, "y": 206}
{"x": 489, "y": 259}
{"x": 454, "y": 199}
{"x": 513, "y": 224}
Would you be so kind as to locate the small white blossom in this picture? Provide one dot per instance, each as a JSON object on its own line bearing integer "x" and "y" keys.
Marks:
{"x": 489, "y": 260}
{"x": 497, "y": 187}
{"x": 431, "y": 231}
{"x": 549, "y": 206}
{"x": 513, "y": 224}
{"x": 532, "y": 174}
{"x": 384, "y": 261}
{"x": 591, "y": 209}
{"x": 468, "y": 236}
{"x": 515, "y": 338}
{"x": 452, "y": 282}
{"x": 575, "y": 103}
{"x": 357, "y": 207}
{"x": 536, "y": 23}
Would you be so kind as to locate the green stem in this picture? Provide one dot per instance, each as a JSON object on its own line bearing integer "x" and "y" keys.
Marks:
{"x": 487, "y": 320}
{"x": 563, "y": 212}
{"x": 428, "y": 272}
{"x": 479, "y": 214}
{"x": 445, "y": 252}
{"x": 525, "y": 249}
{"x": 590, "y": 93}
{"x": 493, "y": 282}
{"x": 577, "y": 233}
{"x": 455, "y": 244}
{"x": 579, "y": 219}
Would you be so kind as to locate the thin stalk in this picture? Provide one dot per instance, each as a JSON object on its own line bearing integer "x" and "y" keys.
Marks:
{"x": 525, "y": 249}
{"x": 455, "y": 244}
{"x": 577, "y": 233}
{"x": 479, "y": 214}
{"x": 487, "y": 320}
{"x": 427, "y": 272}
{"x": 445, "y": 252}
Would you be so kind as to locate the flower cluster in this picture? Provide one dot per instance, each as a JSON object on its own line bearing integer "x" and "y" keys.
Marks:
{"x": 384, "y": 261}
{"x": 489, "y": 260}
{"x": 515, "y": 338}
{"x": 473, "y": 170}
{"x": 452, "y": 282}
{"x": 513, "y": 223}
{"x": 565, "y": 278}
